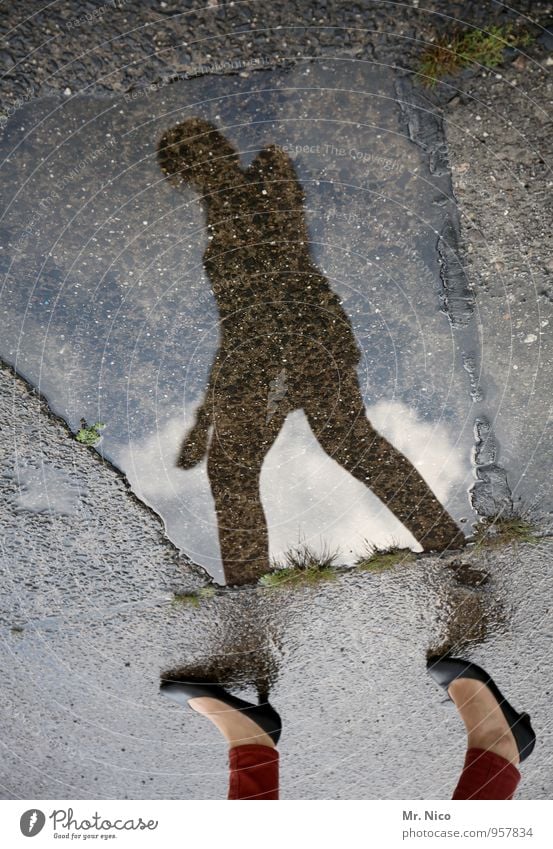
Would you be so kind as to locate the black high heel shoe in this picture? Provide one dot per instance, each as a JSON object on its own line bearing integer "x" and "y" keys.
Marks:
{"x": 444, "y": 670}
{"x": 263, "y": 715}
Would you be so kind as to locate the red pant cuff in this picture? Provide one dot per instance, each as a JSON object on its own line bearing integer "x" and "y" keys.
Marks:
{"x": 253, "y": 772}
{"x": 250, "y": 754}
{"x": 486, "y": 775}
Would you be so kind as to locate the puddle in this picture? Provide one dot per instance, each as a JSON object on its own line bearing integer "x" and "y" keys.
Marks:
{"x": 331, "y": 299}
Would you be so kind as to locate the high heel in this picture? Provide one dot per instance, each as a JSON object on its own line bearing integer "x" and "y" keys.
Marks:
{"x": 263, "y": 715}
{"x": 444, "y": 670}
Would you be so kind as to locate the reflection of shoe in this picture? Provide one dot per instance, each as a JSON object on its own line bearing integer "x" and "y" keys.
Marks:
{"x": 444, "y": 670}
{"x": 263, "y": 715}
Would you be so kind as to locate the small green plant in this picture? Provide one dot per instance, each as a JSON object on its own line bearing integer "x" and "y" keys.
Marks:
{"x": 379, "y": 560}
{"x": 194, "y": 598}
{"x": 89, "y": 434}
{"x": 449, "y": 54}
{"x": 502, "y": 530}
{"x": 302, "y": 566}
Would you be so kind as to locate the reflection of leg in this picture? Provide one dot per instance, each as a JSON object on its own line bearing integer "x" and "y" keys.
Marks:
{"x": 345, "y": 433}
{"x": 241, "y": 439}
{"x": 243, "y": 536}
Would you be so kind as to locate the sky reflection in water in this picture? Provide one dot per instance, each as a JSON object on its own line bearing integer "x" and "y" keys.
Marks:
{"x": 116, "y": 321}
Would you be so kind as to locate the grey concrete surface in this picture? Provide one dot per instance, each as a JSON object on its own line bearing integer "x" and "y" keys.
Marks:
{"x": 88, "y": 574}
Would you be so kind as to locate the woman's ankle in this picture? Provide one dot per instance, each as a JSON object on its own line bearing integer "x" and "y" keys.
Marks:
{"x": 485, "y": 723}
{"x": 265, "y": 743}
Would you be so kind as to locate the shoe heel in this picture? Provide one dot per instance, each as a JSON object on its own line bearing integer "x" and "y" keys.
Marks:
{"x": 524, "y": 735}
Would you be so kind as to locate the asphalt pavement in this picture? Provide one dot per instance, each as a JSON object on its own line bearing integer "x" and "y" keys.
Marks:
{"x": 90, "y": 569}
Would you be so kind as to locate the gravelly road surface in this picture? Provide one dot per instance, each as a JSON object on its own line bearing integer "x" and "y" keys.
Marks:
{"x": 87, "y": 617}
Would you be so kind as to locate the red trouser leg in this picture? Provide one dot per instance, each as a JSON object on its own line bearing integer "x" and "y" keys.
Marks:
{"x": 486, "y": 776}
{"x": 253, "y": 772}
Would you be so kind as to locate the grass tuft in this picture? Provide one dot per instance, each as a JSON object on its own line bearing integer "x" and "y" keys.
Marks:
{"x": 502, "y": 530}
{"x": 451, "y": 53}
{"x": 89, "y": 434}
{"x": 195, "y": 598}
{"x": 379, "y": 560}
{"x": 302, "y": 566}
{"x": 296, "y": 576}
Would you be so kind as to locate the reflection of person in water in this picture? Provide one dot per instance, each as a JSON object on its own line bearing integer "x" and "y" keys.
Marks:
{"x": 498, "y": 737}
{"x": 286, "y": 344}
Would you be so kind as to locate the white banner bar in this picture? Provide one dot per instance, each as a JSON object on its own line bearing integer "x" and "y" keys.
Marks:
{"x": 238, "y": 825}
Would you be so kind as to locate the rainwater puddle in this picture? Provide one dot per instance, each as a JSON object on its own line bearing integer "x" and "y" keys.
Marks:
{"x": 331, "y": 299}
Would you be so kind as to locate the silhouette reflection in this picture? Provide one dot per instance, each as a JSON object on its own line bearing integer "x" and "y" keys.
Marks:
{"x": 286, "y": 344}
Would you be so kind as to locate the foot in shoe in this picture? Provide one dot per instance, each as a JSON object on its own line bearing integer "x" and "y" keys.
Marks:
{"x": 484, "y": 720}
{"x": 237, "y": 728}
